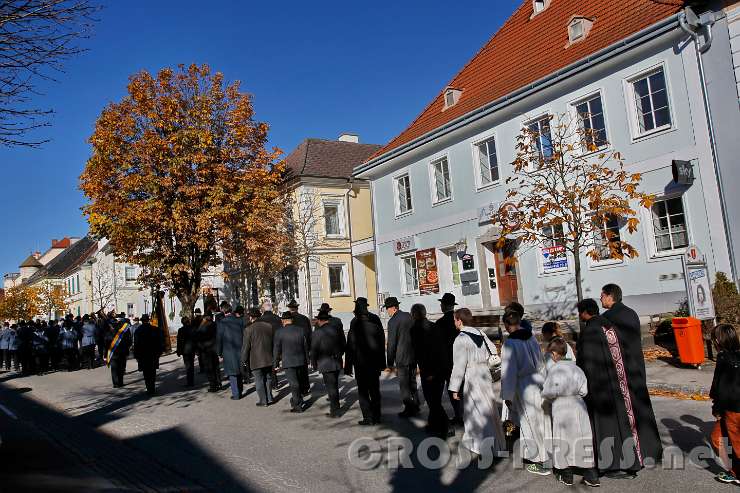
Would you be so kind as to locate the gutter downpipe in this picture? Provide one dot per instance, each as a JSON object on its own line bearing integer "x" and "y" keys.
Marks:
{"x": 610, "y": 51}
{"x": 702, "y": 48}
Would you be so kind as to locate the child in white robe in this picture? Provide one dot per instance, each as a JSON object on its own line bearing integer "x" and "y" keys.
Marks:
{"x": 572, "y": 439}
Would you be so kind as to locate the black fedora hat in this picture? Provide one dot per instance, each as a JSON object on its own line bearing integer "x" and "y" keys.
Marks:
{"x": 325, "y": 307}
{"x": 361, "y": 301}
{"x": 448, "y": 299}
{"x": 391, "y": 301}
{"x": 287, "y": 316}
{"x": 293, "y": 304}
{"x": 323, "y": 316}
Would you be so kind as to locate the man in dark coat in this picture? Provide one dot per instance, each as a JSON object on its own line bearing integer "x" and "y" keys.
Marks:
{"x": 117, "y": 349}
{"x": 25, "y": 349}
{"x": 448, "y": 331}
{"x": 148, "y": 347}
{"x": 88, "y": 339}
{"x": 292, "y": 350}
{"x": 334, "y": 322}
{"x": 621, "y": 443}
{"x": 327, "y": 349}
{"x": 205, "y": 339}
{"x": 256, "y": 356}
{"x": 55, "y": 352}
{"x": 272, "y": 319}
{"x": 186, "y": 349}
{"x": 304, "y": 323}
{"x": 365, "y": 353}
{"x": 230, "y": 338}
{"x": 401, "y": 356}
{"x": 626, "y": 323}
{"x": 40, "y": 343}
{"x": 435, "y": 368}
{"x": 197, "y": 319}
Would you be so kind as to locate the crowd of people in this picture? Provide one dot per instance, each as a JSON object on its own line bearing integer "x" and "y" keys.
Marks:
{"x": 583, "y": 410}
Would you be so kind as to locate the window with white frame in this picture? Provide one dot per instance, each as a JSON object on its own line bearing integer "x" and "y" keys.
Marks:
{"x": 487, "y": 162}
{"x": 332, "y": 218}
{"x": 650, "y": 95}
{"x": 403, "y": 195}
{"x": 606, "y": 234}
{"x": 539, "y": 5}
{"x": 338, "y": 279}
{"x": 130, "y": 273}
{"x": 540, "y": 132}
{"x": 591, "y": 120}
{"x": 554, "y": 236}
{"x": 669, "y": 225}
{"x": 130, "y": 309}
{"x": 410, "y": 275}
{"x": 442, "y": 187}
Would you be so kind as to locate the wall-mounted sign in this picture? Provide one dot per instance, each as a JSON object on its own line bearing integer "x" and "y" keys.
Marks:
{"x": 683, "y": 172}
{"x": 510, "y": 215}
{"x": 700, "y": 292}
{"x": 426, "y": 265}
{"x": 693, "y": 255}
{"x": 405, "y": 244}
{"x": 468, "y": 262}
{"x": 486, "y": 213}
{"x": 554, "y": 259}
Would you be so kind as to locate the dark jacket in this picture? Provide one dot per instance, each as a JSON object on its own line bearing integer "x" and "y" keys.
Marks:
{"x": 67, "y": 338}
{"x": 725, "y": 392}
{"x": 204, "y": 335}
{"x": 448, "y": 331}
{"x": 365, "y": 346}
{"x": 89, "y": 333}
{"x": 400, "y": 340}
{"x": 272, "y": 319}
{"x": 148, "y": 344}
{"x": 303, "y": 322}
{"x": 431, "y": 349}
{"x": 257, "y": 345}
{"x": 230, "y": 338}
{"x": 338, "y": 326}
{"x": 185, "y": 343}
{"x": 40, "y": 341}
{"x": 327, "y": 349}
{"x": 290, "y": 347}
{"x": 123, "y": 348}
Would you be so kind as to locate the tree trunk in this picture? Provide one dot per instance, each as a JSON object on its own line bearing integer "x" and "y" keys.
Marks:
{"x": 577, "y": 265}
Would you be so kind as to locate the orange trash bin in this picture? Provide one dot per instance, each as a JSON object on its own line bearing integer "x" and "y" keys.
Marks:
{"x": 689, "y": 340}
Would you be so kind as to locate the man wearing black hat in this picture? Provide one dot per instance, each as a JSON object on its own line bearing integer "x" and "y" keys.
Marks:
{"x": 446, "y": 325}
{"x": 292, "y": 350}
{"x": 304, "y": 323}
{"x": 365, "y": 353}
{"x": 148, "y": 347}
{"x": 229, "y": 342}
{"x": 401, "y": 355}
{"x": 327, "y": 349}
{"x": 117, "y": 348}
{"x": 257, "y": 355}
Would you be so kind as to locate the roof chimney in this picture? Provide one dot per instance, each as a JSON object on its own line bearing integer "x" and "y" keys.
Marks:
{"x": 347, "y": 137}
{"x": 37, "y": 255}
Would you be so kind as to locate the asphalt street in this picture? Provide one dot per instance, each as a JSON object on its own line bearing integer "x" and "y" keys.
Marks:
{"x": 74, "y": 432}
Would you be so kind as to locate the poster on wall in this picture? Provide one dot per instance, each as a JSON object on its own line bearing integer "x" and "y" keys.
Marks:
{"x": 700, "y": 292}
{"x": 554, "y": 259}
{"x": 426, "y": 264}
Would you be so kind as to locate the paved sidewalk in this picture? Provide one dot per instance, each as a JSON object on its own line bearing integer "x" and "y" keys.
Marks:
{"x": 664, "y": 375}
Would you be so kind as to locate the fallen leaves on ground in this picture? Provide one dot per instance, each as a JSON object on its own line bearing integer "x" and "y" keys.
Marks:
{"x": 656, "y": 353}
{"x": 674, "y": 394}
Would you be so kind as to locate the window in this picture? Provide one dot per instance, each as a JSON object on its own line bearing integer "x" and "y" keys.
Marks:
{"x": 651, "y": 102}
{"x": 130, "y": 309}
{"x": 338, "y": 279}
{"x": 441, "y": 180}
{"x": 540, "y": 5}
{"x": 331, "y": 219}
{"x": 410, "y": 275}
{"x": 487, "y": 162}
{"x": 669, "y": 225}
{"x": 575, "y": 30}
{"x": 607, "y": 233}
{"x": 554, "y": 236}
{"x": 403, "y": 195}
{"x": 452, "y": 96}
{"x": 130, "y": 273}
{"x": 591, "y": 119}
{"x": 540, "y": 131}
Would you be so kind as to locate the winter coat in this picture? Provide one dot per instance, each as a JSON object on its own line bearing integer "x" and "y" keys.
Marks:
{"x": 257, "y": 345}
{"x": 185, "y": 343}
{"x": 148, "y": 345}
{"x": 400, "y": 340}
{"x": 67, "y": 338}
{"x": 290, "y": 347}
{"x": 4, "y": 338}
{"x": 89, "y": 332}
{"x": 327, "y": 349}
{"x": 230, "y": 338}
{"x": 365, "y": 346}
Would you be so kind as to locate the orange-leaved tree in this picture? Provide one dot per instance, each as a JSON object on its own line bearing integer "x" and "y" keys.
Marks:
{"x": 53, "y": 298}
{"x": 20, "y": 302}
{"x": 570, "y": 195}
{"x": 178, "y": 165}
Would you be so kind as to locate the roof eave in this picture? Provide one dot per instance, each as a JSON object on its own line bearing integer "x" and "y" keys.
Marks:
{"x": 615, "y": 49}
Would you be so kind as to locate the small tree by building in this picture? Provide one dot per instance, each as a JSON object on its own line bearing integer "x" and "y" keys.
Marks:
{"x": 53, "y": 299}
{"x": 726, "y": 300}
{"x": 569, "y": 193}
{"x": 21, "y": 302}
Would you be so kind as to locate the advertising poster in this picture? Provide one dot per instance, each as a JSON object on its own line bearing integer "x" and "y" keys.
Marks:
{"x": 700, "y": 292}
{"x": 554, "y": 259}
{"x": 426, "y": 264}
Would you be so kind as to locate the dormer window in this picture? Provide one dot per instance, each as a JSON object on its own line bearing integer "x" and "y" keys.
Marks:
{"x": 578, "y": 29}
{"x": 452, "y": 96}
{"x": 539, "y": 6}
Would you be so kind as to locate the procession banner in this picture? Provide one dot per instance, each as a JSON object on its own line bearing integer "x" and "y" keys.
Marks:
{"x": 426, "y": 265}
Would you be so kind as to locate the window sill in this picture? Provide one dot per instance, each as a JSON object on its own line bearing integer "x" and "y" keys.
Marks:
{"x": 489, "y": 186}
{"x": 673, "y": 254}
{"x": 336, "y": 237}
{"x": 405, "y": 214}
{"x": 442, "y": 202}
{"x": 339, "y": 295}
{"x": 554, "y": 273}
{"x": 606, "y": 264}
{"x": 654, "y": 133}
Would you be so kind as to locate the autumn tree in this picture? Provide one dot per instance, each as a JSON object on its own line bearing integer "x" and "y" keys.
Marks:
{"x": 36, "y": 38}
{"x": 103, "y": 285}
{"x": 570, "y": 194}
{"x": 21, "y": 302}
{"x": 177, "y": 166}
{"x": 53, "y": 298}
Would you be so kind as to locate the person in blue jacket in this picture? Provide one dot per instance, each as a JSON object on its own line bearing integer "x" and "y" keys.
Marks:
{"x": 68, "y": 345}
{"x": 13, "y": 346}
{"x": 4, "y": 333}
{"x": 89, "y": 332}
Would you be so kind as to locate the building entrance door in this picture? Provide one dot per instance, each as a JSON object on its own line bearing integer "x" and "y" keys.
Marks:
{"x": 506, "y": 275}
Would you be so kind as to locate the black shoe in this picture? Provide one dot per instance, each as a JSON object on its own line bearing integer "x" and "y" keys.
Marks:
{"x": 593, "y": 483}
{"x": 620, "y": 475}
{"x": 261, "y": 404}
{"x": 408, "y": 413}
{"x": 332, "y": 414}
{"x": 296, "y": 410}
{"x": 366, "y": 422}
{"x": 565, "y": 477}
{"x": 235, "y": 398}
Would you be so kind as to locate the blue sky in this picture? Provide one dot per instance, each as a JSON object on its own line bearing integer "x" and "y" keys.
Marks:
{"x": 315, "y": 69}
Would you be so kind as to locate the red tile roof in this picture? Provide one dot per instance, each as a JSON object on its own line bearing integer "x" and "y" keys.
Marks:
{"x": 527, "y": 49}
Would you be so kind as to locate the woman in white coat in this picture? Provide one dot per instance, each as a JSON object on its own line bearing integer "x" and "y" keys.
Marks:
{"x": 471, "y": 351}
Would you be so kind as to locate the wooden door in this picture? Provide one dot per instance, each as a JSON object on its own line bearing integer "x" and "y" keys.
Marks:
{"x": 508, "y": 286}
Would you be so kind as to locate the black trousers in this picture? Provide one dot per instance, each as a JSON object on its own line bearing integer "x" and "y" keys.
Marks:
{"x": 296, "y": 398}
{"x": 201, "y": 362}
{"x": 408, "y": 387}
{"x": 27, "y": 361}
{"x": 433, "y": 388}
{"x": 117, "y": 370}
{"x": 368, "y": 390}
{"x": 303, "y": 378}
{"x": 213, "y": 370}
{"x": 88, "y": 357}
{"x": 71, "y": 356}
{"x": 331, "y": 382}
{"x": 101, "y": 353}
{"x": 189, "y": 361}
{"x": 42, "y": 362}
{"x": 150, "y": 374}
{"x": 55, "y": 357}
{"x": 10, "y": 355}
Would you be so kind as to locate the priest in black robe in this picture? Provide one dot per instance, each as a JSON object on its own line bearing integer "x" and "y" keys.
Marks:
{"x": 625, "y": 433}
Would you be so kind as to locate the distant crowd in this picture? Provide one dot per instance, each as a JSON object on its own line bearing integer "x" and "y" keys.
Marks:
{"x": 583, "y": 410}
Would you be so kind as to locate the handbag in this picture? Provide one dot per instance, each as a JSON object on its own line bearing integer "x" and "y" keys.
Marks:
{"x": 494, "y": 360}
